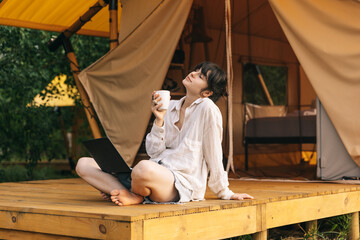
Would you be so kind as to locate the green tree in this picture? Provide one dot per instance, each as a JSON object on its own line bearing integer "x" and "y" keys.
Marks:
{"x": 275, "y": 79}
{"x": 26, "y": 67}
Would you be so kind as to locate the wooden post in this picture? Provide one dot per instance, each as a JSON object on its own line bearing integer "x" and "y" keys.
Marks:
{"x": 113, "y": 22}
{"x": 93, "y": 10}
{"x": 260, "y": 235}
{"x": 63, "y": 39}
{"x": 90, "y": 114}
{"x": 264, "y": 88}
{"x": 311, "y": 227}
{"x": 354, "y": 231}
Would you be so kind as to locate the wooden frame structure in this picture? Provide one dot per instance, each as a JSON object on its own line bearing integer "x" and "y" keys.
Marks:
{"x": 71, "y": 209}
{"x": 64, "y": 39}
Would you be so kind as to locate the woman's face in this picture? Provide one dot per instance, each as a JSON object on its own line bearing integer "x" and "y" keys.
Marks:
{"x": 195, "y": 82}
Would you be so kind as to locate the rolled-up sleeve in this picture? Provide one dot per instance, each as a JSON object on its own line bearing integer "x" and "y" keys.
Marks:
{"x": 155, "y": 141}
{"x": 218, "y": 180}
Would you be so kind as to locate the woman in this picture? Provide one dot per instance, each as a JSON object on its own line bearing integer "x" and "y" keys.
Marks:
{"x": 184, "y": 146}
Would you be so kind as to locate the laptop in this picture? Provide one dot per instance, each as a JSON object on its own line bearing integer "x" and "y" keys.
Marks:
{"x": 106, "y": 156}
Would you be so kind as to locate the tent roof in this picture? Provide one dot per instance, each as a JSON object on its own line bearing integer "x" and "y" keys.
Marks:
{"x": 53, "y": 15}
{"x": 58, "y": 94}
{"x": 257, "y": 16}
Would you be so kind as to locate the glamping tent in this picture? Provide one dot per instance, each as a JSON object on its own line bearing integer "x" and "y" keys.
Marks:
{"x": 147, "y": 42}
{"x": 315, "y": 41}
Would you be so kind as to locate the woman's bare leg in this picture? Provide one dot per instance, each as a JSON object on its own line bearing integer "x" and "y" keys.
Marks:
{"x": 150, "y": 179}
{"x": 90, "y": 171}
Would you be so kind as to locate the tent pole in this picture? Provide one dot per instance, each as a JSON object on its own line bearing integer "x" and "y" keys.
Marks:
{"x": 354, "y": 230}
{"x": 93, "y": 10}
{"x": 263, "y": 85}
{"x": 113, "y": 23}
{"x": 90, "y": 113}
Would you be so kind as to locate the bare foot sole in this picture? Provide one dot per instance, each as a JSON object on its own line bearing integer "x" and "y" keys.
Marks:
{"x": 105, "y": 196}
{"x": 124, "y": 197}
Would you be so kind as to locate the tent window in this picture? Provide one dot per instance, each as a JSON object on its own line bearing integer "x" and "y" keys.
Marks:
{"x": 275, "y": 79}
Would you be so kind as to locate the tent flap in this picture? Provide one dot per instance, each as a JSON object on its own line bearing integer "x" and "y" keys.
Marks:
{"x": 325, "y": 36}
{"x": 120, "y": 84}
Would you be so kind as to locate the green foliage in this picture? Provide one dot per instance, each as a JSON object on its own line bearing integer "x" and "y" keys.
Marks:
{"x": 27, "y": 66}
{"x": 13, "y": 173}
{"x": 274, "y": 78}
{"x": 16, "y": 173}
{"x": 336, "y": 227}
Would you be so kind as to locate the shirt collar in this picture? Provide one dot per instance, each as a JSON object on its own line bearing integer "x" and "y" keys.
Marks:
{"x": 178, "y": 105}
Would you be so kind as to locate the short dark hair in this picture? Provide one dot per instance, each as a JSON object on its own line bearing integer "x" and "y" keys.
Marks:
{"x": 216, "y": 78}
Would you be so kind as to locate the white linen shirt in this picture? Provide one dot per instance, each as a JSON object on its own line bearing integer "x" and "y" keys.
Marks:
{"x": 194, "y": 151}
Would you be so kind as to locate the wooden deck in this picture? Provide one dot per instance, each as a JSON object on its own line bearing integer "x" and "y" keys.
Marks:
{"x": 69, "y": 208}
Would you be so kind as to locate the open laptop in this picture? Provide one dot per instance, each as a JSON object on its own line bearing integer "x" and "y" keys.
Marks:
{"x": 106, "y": 156}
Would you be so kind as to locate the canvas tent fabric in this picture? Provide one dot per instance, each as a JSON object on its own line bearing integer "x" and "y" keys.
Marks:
{"x": 330, "y": 150}
{"x": 325, "y": 36}
{"x": 53, "y": 15}
{"x": 256, "y": 37}
{"x": 120, "y": 84}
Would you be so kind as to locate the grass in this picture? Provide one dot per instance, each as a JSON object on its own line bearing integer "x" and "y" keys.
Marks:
{"x": 327, "y": 229}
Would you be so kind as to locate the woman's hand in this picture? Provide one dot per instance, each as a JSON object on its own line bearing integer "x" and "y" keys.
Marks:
{"x": 241, "y": 196}
{"x": 159, "y": 114}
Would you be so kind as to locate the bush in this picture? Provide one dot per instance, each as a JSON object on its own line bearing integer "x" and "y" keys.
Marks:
{"x": 16, "y": 173}
{"x": 13, "y": 174}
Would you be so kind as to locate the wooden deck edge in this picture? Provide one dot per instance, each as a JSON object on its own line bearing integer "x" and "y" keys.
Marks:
{"x": 311, "y": 208}
{"x": 200, "y": 222}
{"x": 66, "y": 213}
{"x": 82, "y": 227}
{"x": 227, "y": 223}
{"x": 206, "y": 225}
{"x": 8, "y": 234}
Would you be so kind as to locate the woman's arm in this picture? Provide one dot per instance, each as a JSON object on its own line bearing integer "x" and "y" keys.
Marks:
{"x": 155, "y": 140}
{"x": 218, "y": 180}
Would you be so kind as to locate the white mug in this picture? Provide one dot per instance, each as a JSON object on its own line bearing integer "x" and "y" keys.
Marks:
{"x": 165, "y": 98}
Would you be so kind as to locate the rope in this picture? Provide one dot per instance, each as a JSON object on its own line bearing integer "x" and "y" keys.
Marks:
{"x": 229, "y": 66}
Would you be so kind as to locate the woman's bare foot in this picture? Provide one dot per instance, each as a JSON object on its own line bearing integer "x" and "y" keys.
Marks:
{"x": 124, "y": 197}
{"x": 105, "y": 196}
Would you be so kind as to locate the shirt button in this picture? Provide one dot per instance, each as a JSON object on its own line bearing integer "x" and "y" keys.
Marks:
{"x": 160, "y": 162}
{"x": 162, "y": 139}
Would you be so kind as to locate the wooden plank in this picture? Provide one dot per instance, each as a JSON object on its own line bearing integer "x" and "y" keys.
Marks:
{"x": 260, "y": 217}
{"x": 13, "y": 235}
{"x": 206, "y": 225}
{"x": 354, "y": 230}
{"x": 261, "y": 235}
{"x": 113, "y": 212}
{"x": 306, "y": 209}
{"x": 311, "y": 228}
{"x": 136, "y": 230}
{"x": 71, "y": 202}
{"x": 66, "y": 226}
